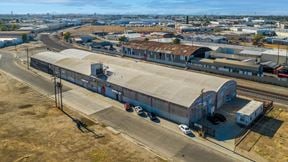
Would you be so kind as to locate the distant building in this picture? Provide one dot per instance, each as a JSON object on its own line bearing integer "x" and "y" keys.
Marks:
{"x": 206, "y": 38}
{"x": 9, "y": 42}
{"x": 248, "y": 19}
{"x": 283, "y": 25}
{"x": 279, "y": 57}
{"x": 10, "y": 38}
{"x": 266, "y": 32}
{"x": 190, "y": 28}
{"x": 163, "y": 52}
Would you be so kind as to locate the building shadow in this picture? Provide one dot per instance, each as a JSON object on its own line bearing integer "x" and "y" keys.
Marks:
{"x": 191, "y": 135}
{"x": 131, "y": 110}
{"x": 156, "y": 120}
{"x": 267, "y": 126}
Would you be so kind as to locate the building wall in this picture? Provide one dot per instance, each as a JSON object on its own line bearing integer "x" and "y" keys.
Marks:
{"x": 162, "y": 108}
{"x": 274, "y": 58}
{"x": 156, "y": 56}
{"x": 1, "y": 44}
{"x": 203, "y": 105}
{"x": 226, "y": 93}
{"x": 247, "y": 120}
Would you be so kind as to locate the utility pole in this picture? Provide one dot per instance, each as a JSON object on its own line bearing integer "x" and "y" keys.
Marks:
{"x": 278, "y": 53}
{"x": 27, "y": 54}
{"x": 58, "y": 91}
{"x": 61, "y": 95}
{"x": 203, "y": 113}
{"x": 287, "y": 55}
{"x": 55, "y": 90}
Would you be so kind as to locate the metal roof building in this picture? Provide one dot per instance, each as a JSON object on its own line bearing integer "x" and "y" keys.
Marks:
{"x": 169, "y": 48}
{"x": 170, "y": 93}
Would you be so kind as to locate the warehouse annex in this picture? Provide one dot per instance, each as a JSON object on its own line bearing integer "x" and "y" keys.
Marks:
{"x": 178, "y": 95}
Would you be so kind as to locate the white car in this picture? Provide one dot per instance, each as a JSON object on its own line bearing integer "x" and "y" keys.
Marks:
{"x": 185, "y": 129}
{"x": 139, "y": 110}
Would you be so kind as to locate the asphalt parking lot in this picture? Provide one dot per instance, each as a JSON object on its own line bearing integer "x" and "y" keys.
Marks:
{"x": 226, "y": 132}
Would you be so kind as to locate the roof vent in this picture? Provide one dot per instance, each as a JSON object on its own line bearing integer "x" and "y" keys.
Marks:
{"x": 97, "y": 69}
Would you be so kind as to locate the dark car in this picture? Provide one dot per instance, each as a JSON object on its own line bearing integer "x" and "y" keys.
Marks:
{"x": 213, "y": 120}
{"x": 220, "y": 117}
{"x": 152, "y": 116}
{"x": 127, "y": 107}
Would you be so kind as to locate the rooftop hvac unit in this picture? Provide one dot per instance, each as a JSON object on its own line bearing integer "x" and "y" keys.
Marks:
{"x": 97, "y": 69}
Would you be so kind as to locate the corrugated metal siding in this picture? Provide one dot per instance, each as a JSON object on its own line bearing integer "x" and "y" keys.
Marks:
{"x": 226, "y": 93}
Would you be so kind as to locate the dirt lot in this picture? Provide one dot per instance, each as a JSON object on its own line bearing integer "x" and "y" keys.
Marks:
{"x": 275, "y": 46}
{"x": 269, "y": 137}
{"x": 32, "y": 129}
{"x": 90, "y": 29}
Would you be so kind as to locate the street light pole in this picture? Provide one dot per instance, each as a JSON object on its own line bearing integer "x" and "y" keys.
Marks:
{"x": 203, "y": 112}
{"x": 55, "y": 90}
{"x": 60, "y": 86}
{"x": 278, "y": 53}
{"x": 27, "y": 55}
{"x": 287, "y": 55}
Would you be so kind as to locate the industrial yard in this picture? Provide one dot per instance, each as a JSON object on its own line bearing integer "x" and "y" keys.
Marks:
{"x": 268, "y": 138}
{"x": 115, "y": 29}
{"x": 32, "y": 129}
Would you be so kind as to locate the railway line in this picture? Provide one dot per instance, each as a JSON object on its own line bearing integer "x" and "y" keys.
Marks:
{"x": 258, "y": 94}
{"x": 51, "y": 44}
{"x": 241, "y": 90}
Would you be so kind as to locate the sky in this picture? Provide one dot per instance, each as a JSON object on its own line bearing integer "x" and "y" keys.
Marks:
{"x": 185, "y": 7}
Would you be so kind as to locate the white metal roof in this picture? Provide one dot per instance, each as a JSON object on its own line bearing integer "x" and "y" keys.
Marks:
{"x": 250, "y": 108}
{"x": 8, "y": 39}
{"x": 75, "y": 54}
{"x": 275, "y": 52}
{"x": 79, "y": 66}
{"x": 174, "y": 85}
{"x": 49, "y": 57}
{"x": 251, "y": 52}
{"x": 177, "y": 86}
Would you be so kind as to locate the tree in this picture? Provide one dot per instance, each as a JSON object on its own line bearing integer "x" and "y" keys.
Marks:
{"x": 3, "y": 28}
{"x": 14, "y": 27}
{"x": 176, "y": 41}
{"x": 67, "y": 36}
{"x": 24, "y": 37}
{"x": 123, "y": 39}
{"x": 257, "y": 39}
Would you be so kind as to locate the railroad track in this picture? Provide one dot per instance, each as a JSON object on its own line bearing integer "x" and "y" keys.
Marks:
{"x": 45, "y": 38}
{"x": 253, "y": 93}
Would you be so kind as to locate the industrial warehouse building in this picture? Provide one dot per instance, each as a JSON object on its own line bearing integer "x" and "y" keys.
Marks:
{"x": 11, "y": 38}
{"x": 170, "y": 93}
{"x": 167, "y": 53}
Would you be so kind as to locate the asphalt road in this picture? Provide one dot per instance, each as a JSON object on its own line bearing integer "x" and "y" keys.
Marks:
{"x": 174, "y": 146}
{"x": 8, "y": 65}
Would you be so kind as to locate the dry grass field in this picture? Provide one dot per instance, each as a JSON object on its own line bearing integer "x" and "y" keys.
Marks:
{"x": 269, "y": 138}
{"x": 90, "y": 29}
{"x": 32, "y": 129}
{"x": 275, "y": 46}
